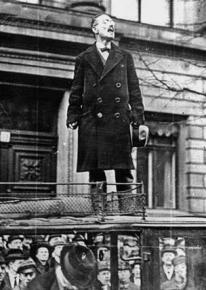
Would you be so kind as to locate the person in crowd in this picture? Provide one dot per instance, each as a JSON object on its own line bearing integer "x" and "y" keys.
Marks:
{"x": 103, "y": 277}
{"x": 80, "y": 240}
{"x": 105, "y": 100}
{"x": 70, "y": 237}
{"x": 41, "y": 252}
{"x": 180, "y": 280}
{"x": 124, "y": 273}
{"x": 99, "y": 239}
{"x": 15, "y": 242}
{"x": 129, "y": 247}
{"x": 77, "y": 270}
{"x": 27, "y": 242}
{"x": 180, "y": 247}
{"x": 57, "y": 245}
{"x": 53, "y": 238}
{"x": 2, "y": 273}
{"x": 168, "y": 253}
{"x": 14, "y": 258}
{"x": 27, "y": 272}
{"x": 136, "y": 274}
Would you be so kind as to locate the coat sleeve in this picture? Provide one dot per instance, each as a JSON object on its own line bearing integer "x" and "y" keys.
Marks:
{"x": 135, "y": 98}
{"x": 75, "y": 100}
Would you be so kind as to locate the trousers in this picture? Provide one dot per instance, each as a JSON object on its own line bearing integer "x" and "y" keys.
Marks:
{"x": 121, "y": 176}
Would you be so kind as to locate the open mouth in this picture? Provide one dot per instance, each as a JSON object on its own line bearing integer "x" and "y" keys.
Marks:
{"x": 111, "y": 29}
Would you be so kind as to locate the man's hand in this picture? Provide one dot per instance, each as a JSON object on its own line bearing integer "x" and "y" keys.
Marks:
{"x": 73, "y": 125}
{"x": 143, "y": 133}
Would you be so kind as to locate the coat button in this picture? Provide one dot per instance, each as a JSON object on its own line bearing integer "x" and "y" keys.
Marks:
{"x": 118, "y": 85}
{"x": 117, "y": 115}
{"x": 117, "y": 100}
{"x": 99, "y": 115}
{"x": 99, "y": 100}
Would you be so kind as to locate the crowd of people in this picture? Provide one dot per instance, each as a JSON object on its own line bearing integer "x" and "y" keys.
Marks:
{"x": 174, "y": 270}
{"x": 27, "y": 258}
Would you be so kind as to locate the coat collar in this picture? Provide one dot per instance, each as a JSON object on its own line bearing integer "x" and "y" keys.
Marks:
{"x": 94, "y": 60}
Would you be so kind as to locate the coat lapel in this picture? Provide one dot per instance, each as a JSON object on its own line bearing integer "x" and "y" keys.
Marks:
{"x": 114, "y": 58}
{"x": 94, "y": 60}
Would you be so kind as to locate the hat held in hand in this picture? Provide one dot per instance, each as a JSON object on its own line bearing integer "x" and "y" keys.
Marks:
{"x": 78, "y": 265}
{"x": 140, "y": 136}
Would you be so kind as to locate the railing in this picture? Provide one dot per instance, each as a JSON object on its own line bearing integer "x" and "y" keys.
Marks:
{"x": 92, "y": 202}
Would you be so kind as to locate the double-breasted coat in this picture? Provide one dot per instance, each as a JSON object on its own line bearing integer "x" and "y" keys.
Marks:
{"x": 104, "y": 100}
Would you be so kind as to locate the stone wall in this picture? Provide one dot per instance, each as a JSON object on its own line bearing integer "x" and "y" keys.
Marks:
{"x": 159, "y": 75}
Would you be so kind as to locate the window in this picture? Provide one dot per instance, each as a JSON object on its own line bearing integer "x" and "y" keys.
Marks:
{"x": 158, "y": 12}
{"x": 156, "y": 165}
{"x": 155, "y": 12}
{"x": 125, "y": 9}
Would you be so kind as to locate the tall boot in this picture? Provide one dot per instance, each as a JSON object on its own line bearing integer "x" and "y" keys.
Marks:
{"x": 98, "y": 197}
{"x": 125, "y": 201}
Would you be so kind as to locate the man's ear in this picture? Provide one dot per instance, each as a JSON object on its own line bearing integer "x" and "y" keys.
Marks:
{"x": 95, "y": 30}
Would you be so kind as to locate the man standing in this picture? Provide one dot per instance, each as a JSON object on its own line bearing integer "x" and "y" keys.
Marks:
{"x": 105, "y": 99}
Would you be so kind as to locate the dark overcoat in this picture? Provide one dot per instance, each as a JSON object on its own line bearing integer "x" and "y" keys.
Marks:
{"x": 46, "y": 281}
{"x": 104, "y": 100}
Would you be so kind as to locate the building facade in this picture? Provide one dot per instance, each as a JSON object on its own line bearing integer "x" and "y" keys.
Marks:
{"x": 39, "y": 42}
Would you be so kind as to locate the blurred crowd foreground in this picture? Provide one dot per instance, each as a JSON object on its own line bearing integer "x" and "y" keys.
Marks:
{"x": 62, "y": 262}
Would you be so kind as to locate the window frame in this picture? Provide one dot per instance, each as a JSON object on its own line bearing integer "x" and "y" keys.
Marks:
{"x": 149, "y": 153}
{"x": 139, "y": 14}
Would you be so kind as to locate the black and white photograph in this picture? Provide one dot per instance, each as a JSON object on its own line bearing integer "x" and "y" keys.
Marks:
{"x": 103, "y": 145}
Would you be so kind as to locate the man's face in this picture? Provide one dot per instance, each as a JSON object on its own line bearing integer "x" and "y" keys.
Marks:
{"x": 104, "y": 277}
{"x": 57, "y": 250}
{"x": 42, "y": 254}
{"x": 2, "y": 272}
{"x": 181, "y": 270}
{"x": 124, "y": 275}
{"x": 104, "y": 27}
{"x": 26, "y": 276}
{"x": 167, "y": 258}
{"x": 136, "y": 271}
{"x": 27, "y": 242}
{"x": 14, "y": 265}
{"x": 16, "y": 244}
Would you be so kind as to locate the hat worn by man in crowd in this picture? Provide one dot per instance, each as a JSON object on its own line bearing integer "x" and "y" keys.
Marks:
{"x": 78, "y": 265}
{"x": 15, "y": 254}
{"x": 15, "y": 242}
{"x": 26, "y": 264}
{"x": 168, "y": 249}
